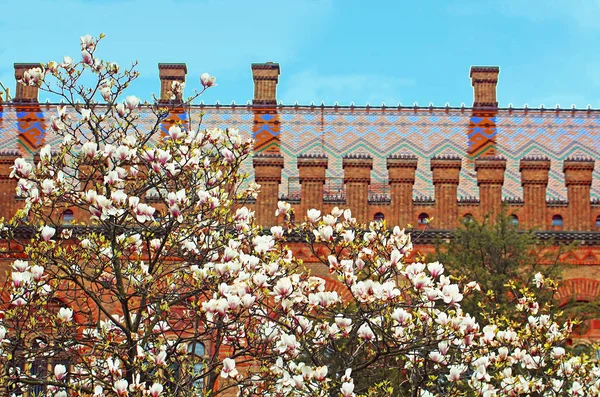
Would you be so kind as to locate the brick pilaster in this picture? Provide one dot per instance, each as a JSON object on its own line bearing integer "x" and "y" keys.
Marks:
{"x": 8, "y": 205}
{"x": 357, "y": 178}
{"x": 446, "y": 177}
{"x": 312, "y": 169}
{"x": 401, "y": 172}
{"x": 484, "y": 80}
{"x": 534, "y": 179}
{"x": 490, "y": 178}
{"x": 267, "y": 173}
{"x": 25, "y": 93}
{"x": 578, "y": 179}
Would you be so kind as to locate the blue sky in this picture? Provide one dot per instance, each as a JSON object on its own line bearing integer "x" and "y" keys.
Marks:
{"x": 329, "y": 50}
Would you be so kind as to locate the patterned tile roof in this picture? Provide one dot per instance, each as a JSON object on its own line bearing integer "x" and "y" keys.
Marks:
{"x": 379, "y": 132}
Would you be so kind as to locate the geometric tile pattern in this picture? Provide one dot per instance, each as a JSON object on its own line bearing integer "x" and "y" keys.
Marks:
{"x": 336, "y": 131}
{"x": 266, "y": 130}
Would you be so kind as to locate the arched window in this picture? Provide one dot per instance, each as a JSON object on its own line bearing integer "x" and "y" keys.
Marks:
{"x": 39, "y": 366}
{"x": 68, "y": 217}
{"x": 514, "y": 219}
{"x": 557, "y": 222}
{"x": 468, "y": 218}
{"x": 598, "y": 221}
{"x": 197, "y": 349}
{"x": 379, "y": 217}
{"x": 422, "y": 219}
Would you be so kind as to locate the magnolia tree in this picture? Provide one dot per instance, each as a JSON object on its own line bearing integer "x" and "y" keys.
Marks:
{"x": 166, "y": 286}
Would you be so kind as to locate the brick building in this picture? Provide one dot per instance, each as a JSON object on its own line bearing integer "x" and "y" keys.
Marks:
{"x": 400, "y": 163}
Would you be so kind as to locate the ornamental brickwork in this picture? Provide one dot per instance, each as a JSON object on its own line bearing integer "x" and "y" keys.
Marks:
{"x": 400, "y": 163}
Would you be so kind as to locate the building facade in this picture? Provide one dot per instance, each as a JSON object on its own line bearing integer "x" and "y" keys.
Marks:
{"x": 404, "y": 164}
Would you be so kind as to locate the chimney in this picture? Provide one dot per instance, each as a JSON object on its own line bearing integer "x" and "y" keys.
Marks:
{"x": 484, "y": 80}
{"x": 168, "y": 73}
{"x": 25, "y": 93}
{"x": 266, "y": 77}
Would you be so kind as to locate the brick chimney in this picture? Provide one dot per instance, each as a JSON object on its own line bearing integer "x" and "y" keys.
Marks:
{"x": 484, "y": 80}
{"x": 23, "y": 92}
{"x": 266, "y": 77}
{"x": 168, "y": 73}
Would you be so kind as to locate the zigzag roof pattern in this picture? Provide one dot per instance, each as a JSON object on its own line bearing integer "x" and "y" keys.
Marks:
{"x": 379, "y": 132}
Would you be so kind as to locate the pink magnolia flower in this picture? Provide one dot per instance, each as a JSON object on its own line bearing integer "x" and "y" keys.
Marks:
{"x": 37, "y": 272}
{"x": 120, "y": 387}
{"x": 89, "y": 149}
{"x": 347, "y": 389}
{"x": 175, "y": 132}
{"x": 106, "y": 93}
{"x": 132, "y": 102}
{"x": 121, "y": 111}
{"x": 313, "y": 215}
{"x": 88, "y": 42}
{"x": 87, "y": 58}
{"x": 156, "y": 390}
{"x": 282, "y": 208}
{"x": 21, "y": 168}
{"x": 365, "y": 332}
{"x": 60, "y": 372}
{"x": 207, "y": 80}
{"x": 65, "y": 315}
{"x": 228, "y": 370}
{"x": 47, "y": 232}
{"x": 320, "y": 373}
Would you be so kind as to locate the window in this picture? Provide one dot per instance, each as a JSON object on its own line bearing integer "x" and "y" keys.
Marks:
{"x": 379, "y": 217}
{"x": 68, "y": 217}
{"x": 197, "y": 349}
{"x": 514, "y": 219}
{"x": 189, "y": 374}
{"x": 557, "y": 222}
{"x": 422, "y": 219}
{"x": 468, "y": 218}
{"x": 39, "y": 366}
{"x": 598, "y": 221}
